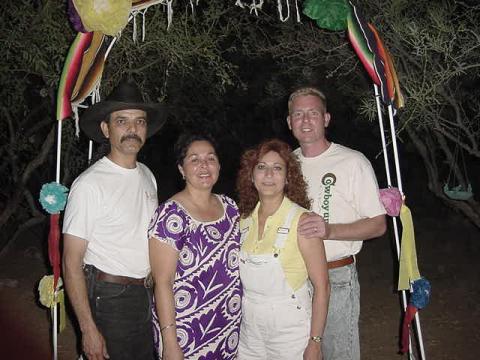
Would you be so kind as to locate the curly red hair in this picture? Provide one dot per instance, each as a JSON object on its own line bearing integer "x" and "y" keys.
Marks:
{"x": 295, "y": 190}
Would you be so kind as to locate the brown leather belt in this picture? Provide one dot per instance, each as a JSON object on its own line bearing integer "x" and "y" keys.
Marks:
{"x": 341, "y": 262}
{"x": 117, "y": 279}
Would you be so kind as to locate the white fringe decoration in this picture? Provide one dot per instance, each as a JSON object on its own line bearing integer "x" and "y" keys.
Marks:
{"x": 76, "y": 119}
{"x": 256, "y": 5}
{"x": 280, "y": 10}
{"x": 134, "y": 14}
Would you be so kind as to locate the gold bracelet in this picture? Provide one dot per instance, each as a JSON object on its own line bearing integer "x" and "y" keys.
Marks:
{"x": 166, "y": 327}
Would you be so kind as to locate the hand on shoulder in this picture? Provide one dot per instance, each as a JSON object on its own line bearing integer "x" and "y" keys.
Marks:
{"x": 311, "y": 225}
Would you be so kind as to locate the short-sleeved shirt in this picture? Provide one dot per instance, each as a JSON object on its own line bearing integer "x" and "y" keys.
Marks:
{"x": 207, "y": 288}
{"x": 343, "y": 189}
{"x": 110, "y": 207}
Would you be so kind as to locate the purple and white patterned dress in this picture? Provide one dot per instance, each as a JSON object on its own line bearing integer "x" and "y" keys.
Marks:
{"x": 207, "y": 289}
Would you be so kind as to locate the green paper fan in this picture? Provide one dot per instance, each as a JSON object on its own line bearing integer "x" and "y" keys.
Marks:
{"x": 328, "y": 14}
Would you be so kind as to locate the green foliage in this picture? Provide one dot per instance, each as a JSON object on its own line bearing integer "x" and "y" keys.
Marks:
{"x": 328, "y": 14}
{"x": 186, "y": 65}
{"x": 35, "y": 38}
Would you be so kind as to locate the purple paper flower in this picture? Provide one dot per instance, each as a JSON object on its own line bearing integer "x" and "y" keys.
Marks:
{"x": 74, "y": 18}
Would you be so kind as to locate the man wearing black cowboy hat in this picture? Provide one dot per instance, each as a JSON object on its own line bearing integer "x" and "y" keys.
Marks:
{"x": 105, "y": 230}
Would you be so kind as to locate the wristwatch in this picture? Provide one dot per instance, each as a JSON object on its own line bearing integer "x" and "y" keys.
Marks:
{"x": 317, "y": 339}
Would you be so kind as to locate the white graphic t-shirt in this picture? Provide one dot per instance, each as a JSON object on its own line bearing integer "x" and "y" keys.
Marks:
{"x": 343, "y": 189}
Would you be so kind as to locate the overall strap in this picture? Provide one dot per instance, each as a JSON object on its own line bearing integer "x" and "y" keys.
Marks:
{"x": 284, "y": 230}
{"x": 247, "y": 223}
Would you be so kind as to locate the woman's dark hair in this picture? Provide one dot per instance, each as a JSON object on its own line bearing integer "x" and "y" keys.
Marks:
{"x": 185, "y": 140}
{"x": 296, "y": 188}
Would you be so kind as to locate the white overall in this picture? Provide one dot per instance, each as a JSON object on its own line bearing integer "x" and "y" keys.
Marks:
{"x": 275, "y": 319}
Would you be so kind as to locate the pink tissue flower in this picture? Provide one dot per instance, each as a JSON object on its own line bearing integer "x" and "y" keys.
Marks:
{"x": 392, "y": 200}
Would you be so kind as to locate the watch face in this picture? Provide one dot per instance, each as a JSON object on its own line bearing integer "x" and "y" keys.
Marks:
{"x": 316, "y": 338}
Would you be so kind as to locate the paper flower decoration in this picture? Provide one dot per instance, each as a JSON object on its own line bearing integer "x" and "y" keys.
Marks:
{"x": 49, "y": 298}
{"x": 419, "y": 298}
{"x": 392, "y": 200}
{"x": 328, "y": 14}
{"x": 53, "y": 197}
{"x": 106, "y": 16}
{"x": 74, "y": 18}
{"x": 47, "y": 292}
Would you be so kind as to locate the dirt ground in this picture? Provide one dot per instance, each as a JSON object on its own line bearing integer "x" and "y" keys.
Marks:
{"x": 448, "y": 251}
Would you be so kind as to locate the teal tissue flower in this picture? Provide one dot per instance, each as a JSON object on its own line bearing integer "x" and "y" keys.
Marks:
{"x": 53, "y": 197}
{"x": 328, "y": 14}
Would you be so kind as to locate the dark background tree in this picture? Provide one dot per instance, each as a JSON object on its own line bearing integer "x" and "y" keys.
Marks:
{"x": 222, "y": 69}
{"x": 435, "y": 45}
{"x": 34, "y": 42}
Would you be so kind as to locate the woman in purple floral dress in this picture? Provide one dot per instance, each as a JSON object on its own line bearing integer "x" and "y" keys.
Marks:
{"x": 194, "y": 244}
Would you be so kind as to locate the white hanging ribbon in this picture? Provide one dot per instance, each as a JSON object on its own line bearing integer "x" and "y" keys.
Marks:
{"x": 76, "y": 118}
{"x": 169, "y": 13}
{"x": 240, "y": 4}
{"x": 134, "y": 33}
{"x": 254, "y": 6}
{"x": 297, "y": 11}
{"x": 96, "y": 94}
{"x": 191, "y": 6}
{"x": 280, "y": 10}
{"x": 133, "y": 15}
{"x": 143, "y": 24}
{"x": 95, "y": 98}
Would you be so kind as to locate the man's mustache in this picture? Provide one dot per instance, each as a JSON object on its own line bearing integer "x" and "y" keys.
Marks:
{"x": 131, "y": 137}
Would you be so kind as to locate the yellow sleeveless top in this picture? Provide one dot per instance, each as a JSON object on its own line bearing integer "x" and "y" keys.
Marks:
{"x": 290, "y": 256}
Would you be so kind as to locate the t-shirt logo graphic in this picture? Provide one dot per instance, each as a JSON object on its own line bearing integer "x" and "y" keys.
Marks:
{"x": 328, "y": 180}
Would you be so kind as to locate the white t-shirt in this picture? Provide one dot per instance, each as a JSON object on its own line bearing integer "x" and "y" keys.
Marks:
{"x": 343, "y": 189}
{"x": 110, "y": 207}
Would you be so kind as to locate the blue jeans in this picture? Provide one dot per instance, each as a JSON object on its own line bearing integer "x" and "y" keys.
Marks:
{"x": 341, "y": 337}
{"x": 122, "y": 314}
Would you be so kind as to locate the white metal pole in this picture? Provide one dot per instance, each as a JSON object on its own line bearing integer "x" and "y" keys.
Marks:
{"x": 55, "y": 293}
{"x": 382, "y": 134}
{"x": 110, "y": 46}
{"x": 90, "y": 150}
{"x": 399, "y": 181}
{"x": 54, "y": 328}
{"x": 389, "y": 183}
{"x": 59, "y": 150}
{"x": 393, "y": 134}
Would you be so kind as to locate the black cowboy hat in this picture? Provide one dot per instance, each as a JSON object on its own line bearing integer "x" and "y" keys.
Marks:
{"x": 125, "y": 96}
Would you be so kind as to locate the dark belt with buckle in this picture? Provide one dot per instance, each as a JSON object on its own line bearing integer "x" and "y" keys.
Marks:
{"x": 341, "y": 262}
{"x": 117, "y": 279}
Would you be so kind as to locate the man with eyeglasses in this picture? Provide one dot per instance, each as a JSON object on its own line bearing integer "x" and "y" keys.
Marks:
{"x": 344, "y": 194}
